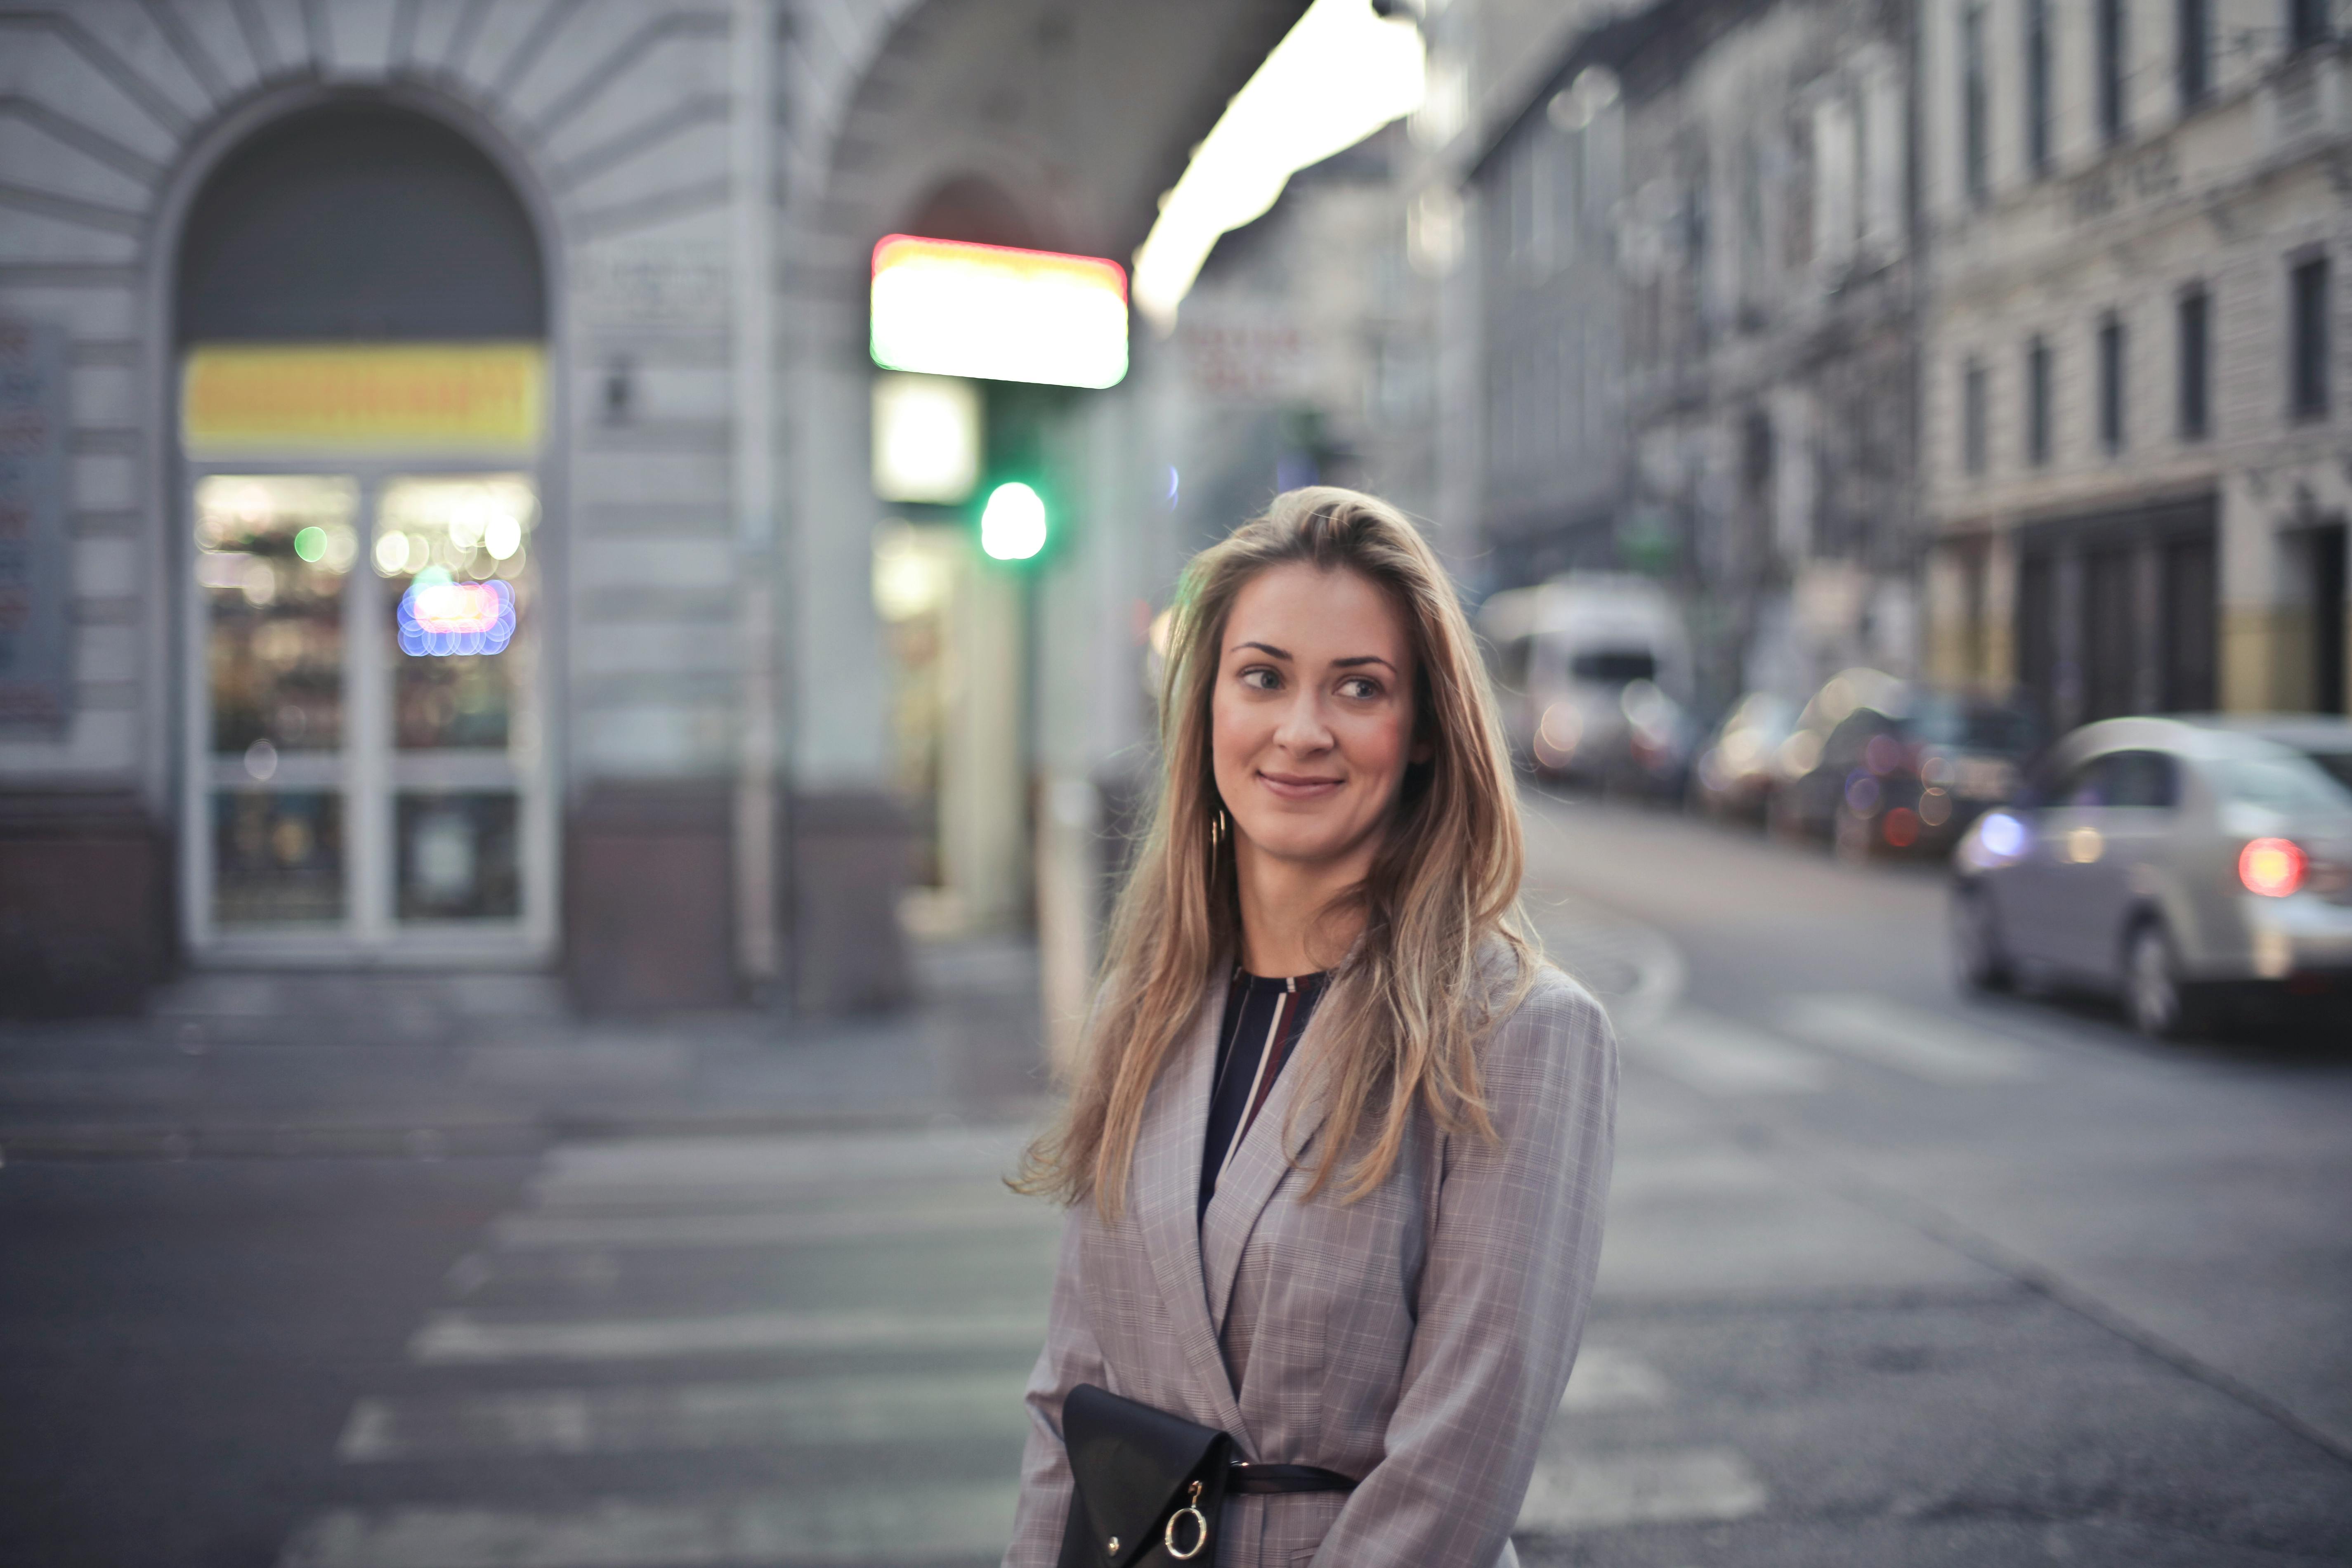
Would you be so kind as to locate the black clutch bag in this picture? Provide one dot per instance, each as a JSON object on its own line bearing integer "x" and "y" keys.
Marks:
{"x": 1150, "y": 1486}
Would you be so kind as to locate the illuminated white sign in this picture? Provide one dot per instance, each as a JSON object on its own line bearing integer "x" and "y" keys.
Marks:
{"x": 996, "y": 314}
{"x": 926, "y": 438}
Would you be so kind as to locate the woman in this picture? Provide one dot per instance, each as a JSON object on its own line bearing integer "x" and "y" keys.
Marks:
{"x": 1338, "y": 1148}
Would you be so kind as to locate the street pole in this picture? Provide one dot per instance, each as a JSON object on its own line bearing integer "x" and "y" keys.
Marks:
{"x": 758, "y": 954}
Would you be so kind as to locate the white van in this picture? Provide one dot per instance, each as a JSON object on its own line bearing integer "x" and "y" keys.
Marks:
{"x": 1594, "y": 671}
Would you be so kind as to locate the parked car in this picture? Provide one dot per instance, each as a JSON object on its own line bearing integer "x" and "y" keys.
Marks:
{"x": 1732, "y": 777}
{"x": 2183, "y": 864}
{"x": 1594, "y": 671}
{"x": 2326, "y": 740}
{"x": 1876, "y": 763}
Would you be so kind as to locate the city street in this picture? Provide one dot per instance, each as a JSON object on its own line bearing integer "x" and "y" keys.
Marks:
{"x": 1892, "y": 1278}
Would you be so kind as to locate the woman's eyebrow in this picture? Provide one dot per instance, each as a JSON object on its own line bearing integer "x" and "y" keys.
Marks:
{"x": 1361, "y": 658}
{"x": 1261, "y": 648}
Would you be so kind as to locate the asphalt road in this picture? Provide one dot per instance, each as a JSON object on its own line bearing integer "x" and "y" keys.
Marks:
{"x": 1893, "y": 1278}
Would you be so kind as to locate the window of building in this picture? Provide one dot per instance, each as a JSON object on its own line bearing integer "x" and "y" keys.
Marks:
{"x": 1972, "y": 417}
{"x": 1836, "y": 156}
{"x": 2037, "y": 402}
{"x": 2112, "y": 347}
{"x": 2195, "y": 364}
{"x": 2037, "y": 84}
{"x": 1883, "y": 116}
{"x": 2308, "y": 344}
{"x": 2308, "y": 22}
{"x": 1976, "y": 168}
{"x": 2192, "y": 55}
{"x": 2114, "y": 72}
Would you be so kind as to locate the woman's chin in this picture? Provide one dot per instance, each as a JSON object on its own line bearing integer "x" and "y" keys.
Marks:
{"x": 1300, "y": 843}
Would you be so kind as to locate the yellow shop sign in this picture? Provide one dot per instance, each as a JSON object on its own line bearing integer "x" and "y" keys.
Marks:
{"x": 246, "y": 400}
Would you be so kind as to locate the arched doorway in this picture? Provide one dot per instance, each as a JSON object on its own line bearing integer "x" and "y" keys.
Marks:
{"x": 360, "y": 323}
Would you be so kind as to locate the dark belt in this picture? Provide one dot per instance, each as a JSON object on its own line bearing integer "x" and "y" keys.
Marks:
{"x": 1258, "y": 1481}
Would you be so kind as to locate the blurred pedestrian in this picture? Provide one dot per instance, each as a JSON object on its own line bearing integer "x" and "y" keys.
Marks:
{"x": 1338, "y": 1145}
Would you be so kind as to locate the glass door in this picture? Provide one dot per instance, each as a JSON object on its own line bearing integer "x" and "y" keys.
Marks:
{"x": 367, "y": 766}
{"x": 458, "y": 613}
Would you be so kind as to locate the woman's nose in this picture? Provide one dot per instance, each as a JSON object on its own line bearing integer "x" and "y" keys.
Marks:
{"x": 1302, "y": 728}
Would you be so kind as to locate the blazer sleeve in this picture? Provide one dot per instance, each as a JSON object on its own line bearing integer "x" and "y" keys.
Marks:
{"x": 1070, "y": 1357}
{"x": 1512, "y": 1252}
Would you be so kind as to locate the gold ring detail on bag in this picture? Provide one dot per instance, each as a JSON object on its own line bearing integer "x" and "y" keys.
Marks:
{"x": 1200, "y": 1524}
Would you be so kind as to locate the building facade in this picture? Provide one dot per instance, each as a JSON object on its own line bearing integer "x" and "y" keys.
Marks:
{"x": 2136, "y": 427}
{"x": 439, "y": 530}
{"x": 1697, "y": 301}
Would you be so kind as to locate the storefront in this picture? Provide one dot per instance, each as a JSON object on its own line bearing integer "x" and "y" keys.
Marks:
{"x": 2117, "y": 612}
{"x": 361, "y": 394}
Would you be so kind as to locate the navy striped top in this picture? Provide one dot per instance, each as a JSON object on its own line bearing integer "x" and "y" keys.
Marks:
{"x": 1264, "y": 1020}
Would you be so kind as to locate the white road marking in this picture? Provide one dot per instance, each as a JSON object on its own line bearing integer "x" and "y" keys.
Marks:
{"x": 757, "y": 1227}
{"x": 457, "y": 1336}
{"x": 832, "y": 1524}
{"x": 639, "y": 1167}
{"x": 1607, "y": 1379}
{"x": 1600, "y": 1492}
{"x": 884, "y": 1409}
{"x": 1721, "y": 1057}
{"x": 1909, "y": 1039}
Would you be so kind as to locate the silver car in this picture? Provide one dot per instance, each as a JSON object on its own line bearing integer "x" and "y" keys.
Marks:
{"x": 2179, "y": 863}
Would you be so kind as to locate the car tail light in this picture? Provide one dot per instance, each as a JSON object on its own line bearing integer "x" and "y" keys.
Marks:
{"x": 2272, "y": 867}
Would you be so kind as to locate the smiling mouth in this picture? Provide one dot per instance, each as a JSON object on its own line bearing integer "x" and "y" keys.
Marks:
{"x": 1299, "y": 787}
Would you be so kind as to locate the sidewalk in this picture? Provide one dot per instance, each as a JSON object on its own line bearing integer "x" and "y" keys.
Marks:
{"x": 374, "y": 1064}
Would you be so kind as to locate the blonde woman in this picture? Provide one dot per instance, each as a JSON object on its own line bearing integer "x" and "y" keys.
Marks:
{"x": 1338, "y": 1148}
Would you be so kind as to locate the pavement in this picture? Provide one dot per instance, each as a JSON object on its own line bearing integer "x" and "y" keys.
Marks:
{"x": 330, "y": 1273}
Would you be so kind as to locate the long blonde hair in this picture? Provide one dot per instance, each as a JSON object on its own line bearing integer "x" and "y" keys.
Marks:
{"x": 1416, "y": 995}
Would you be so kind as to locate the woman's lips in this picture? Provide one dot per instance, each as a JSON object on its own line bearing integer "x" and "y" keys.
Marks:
{"x": 1299, "y": 787}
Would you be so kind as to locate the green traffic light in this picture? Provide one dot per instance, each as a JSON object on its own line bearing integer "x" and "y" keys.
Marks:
{"x": 1013, "y": 524}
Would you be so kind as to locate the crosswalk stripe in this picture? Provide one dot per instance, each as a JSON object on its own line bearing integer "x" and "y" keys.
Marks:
{"x": 647, "y": 1165}
{"x": 1601, "y": 1491}
{"x": 757, "y": 1227}
{"x": 1726, "y": 1057}
{"x": 882, "y": 1408}
{"x": 1909, "y": 1039}
{"x": 458, "y": 1336}
{"x": 1607, "y": 1379}
{"x": 908, "y": 1523}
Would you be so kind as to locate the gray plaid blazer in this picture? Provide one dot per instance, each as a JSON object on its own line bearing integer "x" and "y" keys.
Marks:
{"x": 1420, "y": 1338}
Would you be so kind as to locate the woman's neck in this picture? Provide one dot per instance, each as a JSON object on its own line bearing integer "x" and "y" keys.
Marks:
{"x": 1294, "y": 920}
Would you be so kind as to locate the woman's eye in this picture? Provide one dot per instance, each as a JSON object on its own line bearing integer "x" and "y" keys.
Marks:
{"x": 1261, "y": 679}
{"x": 1359, "y": 686}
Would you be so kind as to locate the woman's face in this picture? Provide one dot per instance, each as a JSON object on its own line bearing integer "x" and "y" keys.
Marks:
{"x": 1311, "y": 721}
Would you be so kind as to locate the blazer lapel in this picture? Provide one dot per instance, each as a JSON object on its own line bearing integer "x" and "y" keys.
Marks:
{"x": 1167, "y": 1200}
{"x": 1269, "y": 1148}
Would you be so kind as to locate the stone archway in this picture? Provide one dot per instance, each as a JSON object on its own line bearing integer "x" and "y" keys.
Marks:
{"x": 1040, "y": 123}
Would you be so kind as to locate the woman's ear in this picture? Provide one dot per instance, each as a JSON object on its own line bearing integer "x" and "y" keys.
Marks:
{"x": 1423, "y": 751}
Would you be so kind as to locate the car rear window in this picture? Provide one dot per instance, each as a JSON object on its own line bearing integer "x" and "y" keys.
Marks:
{"x": 2336, "y": 766}
{"x": 1618, "y": 667}
{"x": 1972, "y": 727}
{"x": 2289, "y": 786}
